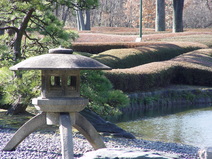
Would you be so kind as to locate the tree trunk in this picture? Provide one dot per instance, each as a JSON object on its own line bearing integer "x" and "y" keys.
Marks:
{"x": 83, "y": 23}
{"x": 80, "y": 20}
{"x": 65, "y": 14}
{"x": 17, "y": 107}
{"x": 160, "y": 15}
{"x": 17, "y": 46}
{"x": 57, "y": 10}
{"x": 19, "y": 34}
{"x": 87, "y": 20}
{"x": 178, "y": 15}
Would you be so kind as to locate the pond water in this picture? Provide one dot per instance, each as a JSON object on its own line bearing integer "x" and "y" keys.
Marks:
{"x": 191, "y": 127}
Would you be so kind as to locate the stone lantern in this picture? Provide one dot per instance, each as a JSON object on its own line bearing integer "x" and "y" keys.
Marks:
{"x": 60, "y": 99}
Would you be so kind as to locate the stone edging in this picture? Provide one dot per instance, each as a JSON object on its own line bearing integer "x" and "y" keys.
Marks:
{"x": 169, "y": 99}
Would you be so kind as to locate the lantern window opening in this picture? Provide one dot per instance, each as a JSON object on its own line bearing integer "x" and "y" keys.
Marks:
{"x": 55, "y": 81}
{"x": 72, "y": 82}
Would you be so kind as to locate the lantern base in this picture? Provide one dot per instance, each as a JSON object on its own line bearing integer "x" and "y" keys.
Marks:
{"x": 65, "y": 124}
{"x": 74, "y": 104}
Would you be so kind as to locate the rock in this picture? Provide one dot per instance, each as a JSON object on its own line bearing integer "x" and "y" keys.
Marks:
{"x": 107, "y": 153}
{"x": 205, "y": 153}
{"x": 105, "y": 127}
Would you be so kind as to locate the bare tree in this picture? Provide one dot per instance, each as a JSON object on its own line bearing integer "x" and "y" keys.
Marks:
{"x": 160, "y": 15}
{"x": 125, "y": 13}
{"x": 197, "y": 13}
{"x": 79, "y": 11}
{"x": 178, "y": 15}
{"x": 83, "y": 13}
{"x": 83, "y": 19}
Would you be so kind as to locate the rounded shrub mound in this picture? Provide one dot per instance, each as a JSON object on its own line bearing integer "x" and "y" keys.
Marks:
{"x": 142, "y": 77}
{"x": 99, "y": 47}
{"x": 193, "y": 68}
{"x": 131, "y": 57}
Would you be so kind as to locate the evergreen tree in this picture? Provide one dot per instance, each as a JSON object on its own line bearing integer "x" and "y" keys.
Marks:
{"x": 22, "y": 17}
{"x": 30, "y": 28}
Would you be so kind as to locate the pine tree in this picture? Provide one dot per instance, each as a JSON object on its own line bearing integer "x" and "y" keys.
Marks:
{"x": 21, "y": 18}
{"x": 30, "y": 28}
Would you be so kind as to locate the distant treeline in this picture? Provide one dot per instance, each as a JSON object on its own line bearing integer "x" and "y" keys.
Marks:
{"x": 125, "y": 13}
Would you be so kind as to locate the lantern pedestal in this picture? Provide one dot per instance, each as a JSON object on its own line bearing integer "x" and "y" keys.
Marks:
{"x": 72, "y": 104}
{"x": 66, "y": 121}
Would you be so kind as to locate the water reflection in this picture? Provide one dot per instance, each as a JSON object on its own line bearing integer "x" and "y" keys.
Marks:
{"x": 192, "y": 127}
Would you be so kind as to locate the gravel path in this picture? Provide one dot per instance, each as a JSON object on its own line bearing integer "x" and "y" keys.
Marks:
{"x": 46, "y": 145}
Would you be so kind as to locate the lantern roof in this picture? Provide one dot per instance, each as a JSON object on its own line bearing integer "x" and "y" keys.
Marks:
{"x": 60, "y": 59}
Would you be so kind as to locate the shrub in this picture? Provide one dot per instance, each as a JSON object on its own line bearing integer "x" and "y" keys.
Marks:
{"x": 192, "y": 76}
{"x": 96, "y": 48}
{"x": 19, "y": 89}
{"x": 141, "y": 78}
{"x": 103, "y": 99}
{"x": 126, "y": 58}
{"x": 193, "y": 68}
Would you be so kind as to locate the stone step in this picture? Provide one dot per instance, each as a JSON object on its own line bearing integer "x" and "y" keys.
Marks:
{"x": 112, "y": 153}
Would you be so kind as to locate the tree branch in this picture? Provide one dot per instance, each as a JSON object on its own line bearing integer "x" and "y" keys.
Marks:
{"x": 9, "y": 21}
{"x": 26, "y": 19}
{"x": 40, "y": 20}
{"x": 10, "y": 27}
{"x": 33, "y": 39}
{"x": 44, "y": 29}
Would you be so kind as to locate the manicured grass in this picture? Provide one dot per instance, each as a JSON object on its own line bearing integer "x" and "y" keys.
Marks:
{"x": 14, "y": 121}
{"x": 200, "y": 38}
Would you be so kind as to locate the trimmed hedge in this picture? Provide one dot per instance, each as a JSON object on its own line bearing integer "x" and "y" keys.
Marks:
{"x": 141, "y": 78}
{"x": 131, "y": 57}
{"x": 192, "y": 76}
{"x": 193, "y": 68}
{"x": 95, "y": 48}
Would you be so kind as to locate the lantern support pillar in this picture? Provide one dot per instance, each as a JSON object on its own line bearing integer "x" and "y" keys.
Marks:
{"x": 30, "y": 126}
{"x": 65, "y": 125}
{"x": 66, "y": 121}
{"x": 88, "y": 131}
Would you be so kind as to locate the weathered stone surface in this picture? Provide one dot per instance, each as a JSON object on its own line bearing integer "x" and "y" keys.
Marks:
{"x": 105, "y": 127}
{"x": 30, "y": 126}
{"x": 88, "y": 131}
{"x": 205, "y": 153}
{"x": 60, "y": 104}
{"x": 59, "y": 62}
{"x": 209, "y": 152}
{"x": 107, "y": 153}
